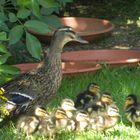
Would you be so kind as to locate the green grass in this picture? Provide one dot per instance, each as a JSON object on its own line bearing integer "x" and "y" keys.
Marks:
{"x": 120, "y": 82}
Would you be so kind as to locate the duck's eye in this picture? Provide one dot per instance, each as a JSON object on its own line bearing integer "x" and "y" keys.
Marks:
{"x": 129, "y": 99}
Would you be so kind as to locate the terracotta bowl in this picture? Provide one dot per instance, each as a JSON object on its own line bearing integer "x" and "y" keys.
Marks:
{"x": 68, "y": 68}
{"x": 113, "y": 58}
{"x": 88, "y": 28}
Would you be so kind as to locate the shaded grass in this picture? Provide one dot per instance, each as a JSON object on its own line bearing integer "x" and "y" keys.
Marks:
{"x": 120, "y": 82}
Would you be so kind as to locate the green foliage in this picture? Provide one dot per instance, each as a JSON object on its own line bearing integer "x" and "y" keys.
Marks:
{"x": 20, "y": 16}
{"x": 17, "y": 17}
{"x": 15, "y": 34}
{"x": 6, "y": 71}
{"x": 33, "y": 25}
{"x": 33, "y": 45}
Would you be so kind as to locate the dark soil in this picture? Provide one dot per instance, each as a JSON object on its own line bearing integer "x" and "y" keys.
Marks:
{"x": 123, "y": 14}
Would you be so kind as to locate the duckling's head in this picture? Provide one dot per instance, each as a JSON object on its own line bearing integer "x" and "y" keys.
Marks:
{"x": 131, "y": 99}
{"x": 60, "y": 114}
{"x": 106, "y": 98}
{"x": 40, "y": 112}
{"x": 113, "y": 111}
{"x": 82, "y": 116}
{"x": 64, "y": 35}
{"x": 68, "y": 105}
{"x": 94, "y": 88}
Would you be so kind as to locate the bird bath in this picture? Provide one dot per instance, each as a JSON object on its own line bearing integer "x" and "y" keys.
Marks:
{"x": 113, "y": 58}
{"x": 88, "y": 28}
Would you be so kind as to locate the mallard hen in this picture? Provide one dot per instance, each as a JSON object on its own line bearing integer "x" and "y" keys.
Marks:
{"x": 41, "y": 84}
{"x": 132, "y": 109}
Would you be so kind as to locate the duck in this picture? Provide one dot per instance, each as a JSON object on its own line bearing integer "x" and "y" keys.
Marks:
{"x": 40, "y": 85}
{"x": 29, "y": 123}
{"x": 104, "y": 119}
{"x": 64, "y": 115}
{"x": 88, "y": 98}
{"x": 132, "y": 109}
{"x": 68, "y": 106}
{"x": 81, "y": 121}
{"x": 62, "y": 121}
{"x": 105, "y": 100}
{"x": 47, "y": 126}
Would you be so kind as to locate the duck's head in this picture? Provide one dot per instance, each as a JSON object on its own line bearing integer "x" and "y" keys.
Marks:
{"x": 106, "y": 98}
{"x": 82, "y": 116}
{"x": 68, "y": 105}
{"x": 41, "y": 112}
{"x": 94, "y": 88}
{"x": 64, "y": 35}
{"x": 113, "y": 111}
{"x": 131, "y": 99}
{"x": 60, "y": 114}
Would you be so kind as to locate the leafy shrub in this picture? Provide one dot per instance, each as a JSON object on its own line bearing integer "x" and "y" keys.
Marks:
{"x": 16, "y": 18}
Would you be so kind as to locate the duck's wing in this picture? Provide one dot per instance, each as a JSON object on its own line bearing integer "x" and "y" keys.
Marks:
{"x": 16, "y": 103}
{"x": 25, "y": 83}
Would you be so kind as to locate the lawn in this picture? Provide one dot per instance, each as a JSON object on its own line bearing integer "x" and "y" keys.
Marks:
{"x": 119, "y": 82}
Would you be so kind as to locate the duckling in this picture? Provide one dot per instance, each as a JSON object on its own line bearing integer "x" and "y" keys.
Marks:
{"x": 30, "y": 123}
{"x": 132, "y": 109}
{"x": 105, "y": 100}
{"x": 81, "y": 121}
{"x": 62, "y": 121}
{"x": 27, "y": 124}
{"x": 88, "y": 98}
{"x": 47, "y": 127}
{"x": 106, "y": 119}
{"x": 64, "y": 115}
{"x": 68, "y": 106}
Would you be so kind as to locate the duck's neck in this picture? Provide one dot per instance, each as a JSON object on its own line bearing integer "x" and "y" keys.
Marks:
{"x": 51, "y": 69}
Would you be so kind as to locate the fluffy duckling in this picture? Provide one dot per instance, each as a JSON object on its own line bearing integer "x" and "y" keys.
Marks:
{"x": 105, "y": 100}
{"x": 132, "y": 109}
{"x": 81, "y": 121}
{"x": 64, "y": 115}
{"x": 88, "y": 98}
{"x": 105, "y": 120}
{"x": 101, "y": 104}
{"x": 68, "y": 106}
{"x": 62, "y": 121}
{"x": 29, "y": 123}
{"x": 47, "y": 127}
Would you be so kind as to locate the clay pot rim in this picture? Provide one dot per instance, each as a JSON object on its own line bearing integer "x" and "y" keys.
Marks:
{"x": 90, "y": 33}
{"x": 119, "y": 61}
{"x": 87, "y": 33}
{"x": 23, "y": 67}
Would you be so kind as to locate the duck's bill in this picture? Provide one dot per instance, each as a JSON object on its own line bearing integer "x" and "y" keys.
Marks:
{"x": 79, "y": 39}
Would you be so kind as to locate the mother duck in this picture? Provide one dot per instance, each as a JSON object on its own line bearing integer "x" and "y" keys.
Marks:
{"x": 38, "y": 86}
